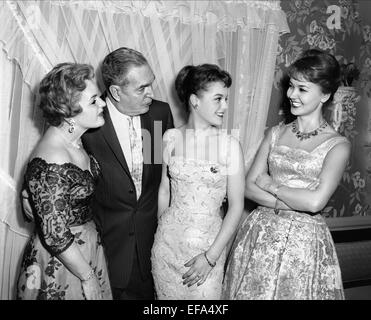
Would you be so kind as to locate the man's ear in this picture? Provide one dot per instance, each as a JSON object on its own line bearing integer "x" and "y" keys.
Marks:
{"x": 115, "y": 92}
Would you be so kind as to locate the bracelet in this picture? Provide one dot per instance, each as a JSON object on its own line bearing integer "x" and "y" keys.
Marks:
{"x": 89, "y": 275}
{"x": 212, "y": 265}
{"x": 276, "y": 211}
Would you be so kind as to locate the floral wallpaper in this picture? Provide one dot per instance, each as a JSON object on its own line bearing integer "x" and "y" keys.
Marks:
{"x": 343, "y": 28}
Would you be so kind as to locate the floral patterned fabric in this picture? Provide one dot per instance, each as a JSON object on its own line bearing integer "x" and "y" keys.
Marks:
{"x": 289, "y": 255}
{"x": 60, "y": 196}
{"x": 312, "y": 26}
{"x": 189, "y": 226}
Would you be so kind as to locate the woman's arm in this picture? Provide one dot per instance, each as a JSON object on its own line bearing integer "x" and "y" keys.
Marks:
{"x": 303, "y": 199}
{"x": 203, "y": 263}
{"x": 259, "y": 169}
{"x": 235, "y": 194}
{"x": 75, "y": 262}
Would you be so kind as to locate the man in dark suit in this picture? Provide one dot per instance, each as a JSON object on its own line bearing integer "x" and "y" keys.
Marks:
{"x": 125, "y": 202}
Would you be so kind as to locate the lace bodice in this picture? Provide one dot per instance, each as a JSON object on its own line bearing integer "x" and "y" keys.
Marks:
{"x": 297, "y": 168}
{"x": 60, "y": 197}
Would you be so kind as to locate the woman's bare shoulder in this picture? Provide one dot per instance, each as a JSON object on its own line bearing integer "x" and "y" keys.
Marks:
{"x": 50, "y": 151}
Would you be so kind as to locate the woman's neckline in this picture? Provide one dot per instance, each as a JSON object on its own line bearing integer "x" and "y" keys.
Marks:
{"x": 64, "y": 164}
{"x": 301, "y": 149}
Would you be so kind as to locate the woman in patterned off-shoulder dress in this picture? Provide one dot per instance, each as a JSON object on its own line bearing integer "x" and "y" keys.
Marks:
{"x": 201, "y": 166}
{"x": 64, "y": 258}
{"x": 284, "y": 249}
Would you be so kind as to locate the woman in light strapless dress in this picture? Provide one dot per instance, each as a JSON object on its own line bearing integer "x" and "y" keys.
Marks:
{"x": 284, "y": 248}
{"x": 202, "y": 165}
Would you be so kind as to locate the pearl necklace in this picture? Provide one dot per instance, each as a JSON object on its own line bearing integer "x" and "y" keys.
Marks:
{"x": 307, "y": 135}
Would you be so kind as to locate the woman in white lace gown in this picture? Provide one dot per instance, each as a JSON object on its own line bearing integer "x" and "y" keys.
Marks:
{"x": 202, "y": 165}
{"x": 284, "y": 249}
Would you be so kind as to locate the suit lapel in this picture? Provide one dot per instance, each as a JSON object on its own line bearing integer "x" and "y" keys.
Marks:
{"x": 112, "y": 141}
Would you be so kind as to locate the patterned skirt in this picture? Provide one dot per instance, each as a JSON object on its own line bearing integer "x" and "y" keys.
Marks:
{"x": 284, "y": 256}
{"x": 44, "y": 277}
{"x": 180, "y": 236}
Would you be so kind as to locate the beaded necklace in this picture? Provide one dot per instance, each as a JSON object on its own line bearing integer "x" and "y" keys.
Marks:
{"x": 307, "y": 135}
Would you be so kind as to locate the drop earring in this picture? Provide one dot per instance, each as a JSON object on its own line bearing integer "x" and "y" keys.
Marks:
{"x": 71, "y": 123}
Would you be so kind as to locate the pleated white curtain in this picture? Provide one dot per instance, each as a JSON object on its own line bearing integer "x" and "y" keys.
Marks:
{"x": 240, "y": 36}
{"x": 16, "y": 110}
{"x": 253, "y": 78}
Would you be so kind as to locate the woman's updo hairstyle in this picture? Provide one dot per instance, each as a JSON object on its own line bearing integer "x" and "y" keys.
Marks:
{"x": 60, "y": 91}
{"x": 193, "y": 79}
{"x": 318, "y": 67}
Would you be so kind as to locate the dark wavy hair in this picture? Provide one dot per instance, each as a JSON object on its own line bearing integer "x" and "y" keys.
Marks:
{"x": 193, "y": 79}
{"x": 60, "y": 91}
{"x": 117, "y": 64}
{"x": 318, "y": 67}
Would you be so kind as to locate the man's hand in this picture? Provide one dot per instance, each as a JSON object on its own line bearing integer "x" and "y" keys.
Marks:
{"x": 26, "y": 206}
